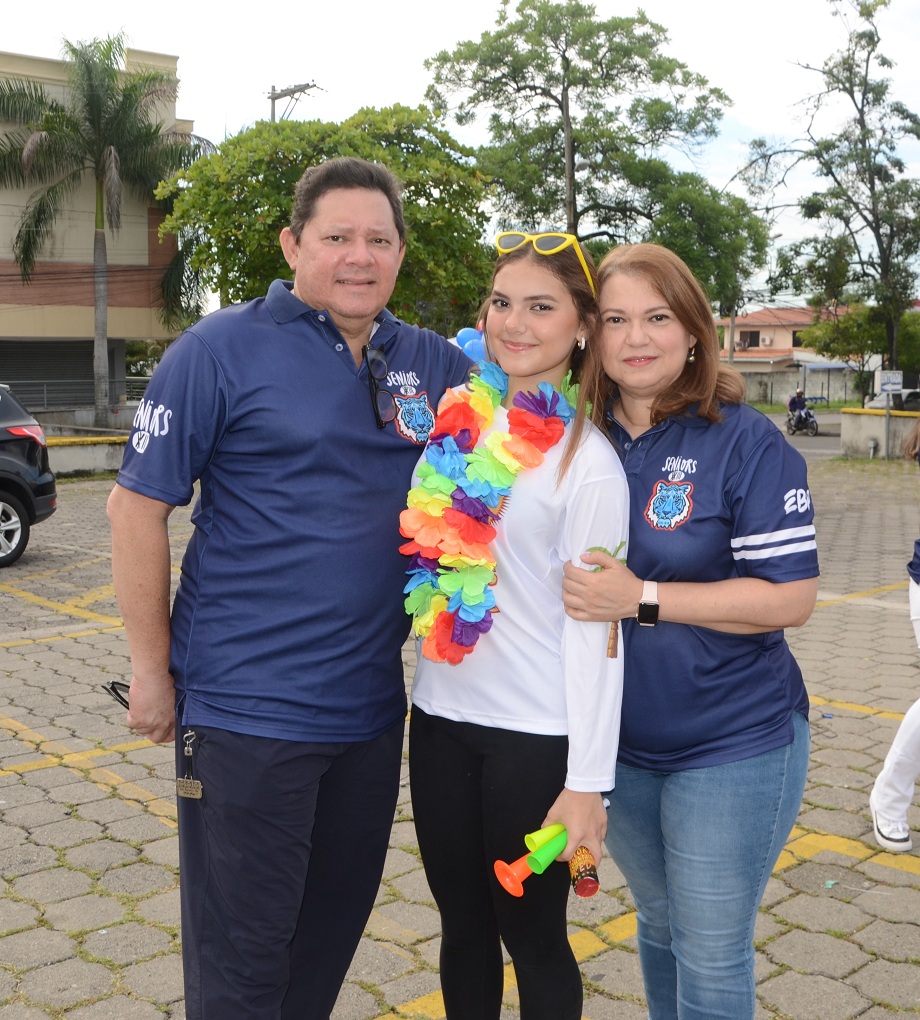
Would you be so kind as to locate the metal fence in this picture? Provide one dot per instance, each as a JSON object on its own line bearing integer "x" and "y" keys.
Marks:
{"x": 135, "y": 387}
{"x": 46, "y": 395}
{"x": 42, "y": 395}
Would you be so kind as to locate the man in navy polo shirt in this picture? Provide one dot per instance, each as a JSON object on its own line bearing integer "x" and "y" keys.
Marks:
{"x": 301, "y": 416}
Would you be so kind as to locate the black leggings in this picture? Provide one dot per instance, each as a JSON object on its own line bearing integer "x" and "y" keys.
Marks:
{"x": 476, "y": 791}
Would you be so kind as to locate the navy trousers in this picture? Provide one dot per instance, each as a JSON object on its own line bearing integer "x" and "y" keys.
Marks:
{"x": 280, "y": 862}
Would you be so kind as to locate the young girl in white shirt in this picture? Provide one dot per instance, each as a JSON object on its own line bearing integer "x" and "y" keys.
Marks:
{"x": 516, "y": 706}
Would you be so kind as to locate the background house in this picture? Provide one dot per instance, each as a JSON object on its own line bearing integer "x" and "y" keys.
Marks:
{"x": 769, "y": 354}
{"x": 46, "y": 326}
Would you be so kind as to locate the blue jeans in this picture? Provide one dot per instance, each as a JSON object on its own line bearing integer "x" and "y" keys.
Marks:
{"x": 697, "y": 848}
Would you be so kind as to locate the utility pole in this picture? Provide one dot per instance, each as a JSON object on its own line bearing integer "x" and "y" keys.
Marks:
{"x": 294, "y": 90}
{"x": 568, "y": 146}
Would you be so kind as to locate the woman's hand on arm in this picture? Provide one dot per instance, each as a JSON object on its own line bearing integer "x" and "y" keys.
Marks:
{"x": 602, "y": 595}
{"x": 585, "y": 819}
{"x": 739, "y": 605}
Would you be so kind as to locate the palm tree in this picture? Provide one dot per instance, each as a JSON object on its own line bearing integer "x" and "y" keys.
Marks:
{"x": 106, "y": 127}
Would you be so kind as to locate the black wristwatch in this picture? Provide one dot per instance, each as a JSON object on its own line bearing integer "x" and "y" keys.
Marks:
{"x": 648, "y": 605}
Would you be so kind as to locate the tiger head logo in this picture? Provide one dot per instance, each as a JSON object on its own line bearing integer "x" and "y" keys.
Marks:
{"x": 414, "y": 417}
{"x": 670, "y": 505}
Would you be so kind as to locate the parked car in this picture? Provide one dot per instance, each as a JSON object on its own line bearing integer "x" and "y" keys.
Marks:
{"x": 911, "y": 400}
{"x": 27, "y": 490}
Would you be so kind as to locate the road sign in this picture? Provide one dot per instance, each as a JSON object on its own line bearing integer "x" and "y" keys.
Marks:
{"x": 891, "y": 382}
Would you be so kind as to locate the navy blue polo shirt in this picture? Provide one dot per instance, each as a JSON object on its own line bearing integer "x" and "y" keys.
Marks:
{"x": 288, "y": 621}
{"x": 711, "y": 501}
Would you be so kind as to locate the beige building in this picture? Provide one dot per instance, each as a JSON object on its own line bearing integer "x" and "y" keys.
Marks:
{"x": 766, "y": 334}
{"x": 768, "y": 352}
{"x": 46, "y": 326}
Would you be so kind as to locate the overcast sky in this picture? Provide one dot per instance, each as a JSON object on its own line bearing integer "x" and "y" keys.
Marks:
{"x": 368, "y": 53}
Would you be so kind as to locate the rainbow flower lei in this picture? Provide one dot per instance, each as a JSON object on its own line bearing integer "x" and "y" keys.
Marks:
{"x": 463, "y": 487}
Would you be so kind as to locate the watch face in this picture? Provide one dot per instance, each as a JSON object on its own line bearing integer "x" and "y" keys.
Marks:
{"x": 648, "y": 614}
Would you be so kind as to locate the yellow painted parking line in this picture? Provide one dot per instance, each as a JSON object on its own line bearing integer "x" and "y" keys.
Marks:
{"x": 58, "y": 607}
{"x": 584, "y": 943}
{"x": 813, "y": 843}
{"x": 620, "y": 928}
{"x": 165, "y": 810}
{"x": 130, "y": 745}
{"x": 802, "y": 846}
{"x": 851, "y": 706}
{"x": 74, "y": 759}
{"x": 30, "y": 766}
{"x": 61, "y": 637}
{"x": 68, "y": 568}
{"x": 867, "y": 594}
{"x": 430, "y": 1005}
{"x": 54, "y": 755}
{"x": 100, "y": 594}
{"x": 35, "y": 741}
{"x": 900, "y": 862}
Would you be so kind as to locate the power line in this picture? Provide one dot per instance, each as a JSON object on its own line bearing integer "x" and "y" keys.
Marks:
{"x": 293, "y": 92}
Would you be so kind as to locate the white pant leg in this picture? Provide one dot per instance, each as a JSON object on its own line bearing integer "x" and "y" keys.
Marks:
{"x": 894, "y": 787}
{"x": 913, "y": 595}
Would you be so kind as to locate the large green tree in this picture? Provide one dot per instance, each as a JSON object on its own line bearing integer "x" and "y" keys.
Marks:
{"x": 854, "y": 334}
{"x": 575, "y": 105}
{"x": 909, "y": 342}
{"x": 868, "y": 238}
{"x": 714, "y": 232}
{"x": 239, "y": 198}
{"x": 582, "y": 114}
{"x": 106, "y": 128}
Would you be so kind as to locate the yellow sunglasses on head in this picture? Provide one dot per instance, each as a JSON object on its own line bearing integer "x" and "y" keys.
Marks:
{"x": 550, "y": 243}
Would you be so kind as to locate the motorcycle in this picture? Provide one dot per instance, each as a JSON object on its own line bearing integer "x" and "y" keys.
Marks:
{"x": 806, "y": 422}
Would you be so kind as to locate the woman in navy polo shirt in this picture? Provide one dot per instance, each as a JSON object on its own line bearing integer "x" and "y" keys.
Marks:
{"x": 714, "y": 740}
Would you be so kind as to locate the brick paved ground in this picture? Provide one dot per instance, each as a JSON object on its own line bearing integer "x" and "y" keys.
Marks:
{"x": 89, "y": 896}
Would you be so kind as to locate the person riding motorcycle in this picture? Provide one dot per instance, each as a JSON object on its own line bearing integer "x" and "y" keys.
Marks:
{"x": 797, "y": 407}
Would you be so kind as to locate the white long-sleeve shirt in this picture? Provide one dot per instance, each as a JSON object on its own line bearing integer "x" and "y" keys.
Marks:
{"x": 537, "y": 670}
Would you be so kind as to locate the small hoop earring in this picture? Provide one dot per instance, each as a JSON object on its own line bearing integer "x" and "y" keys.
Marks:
{"x": 581, "y": 342}
{"x": 691, "y": 357}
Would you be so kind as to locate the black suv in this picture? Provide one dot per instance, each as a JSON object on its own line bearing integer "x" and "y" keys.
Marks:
{"x": 27, "y": 492}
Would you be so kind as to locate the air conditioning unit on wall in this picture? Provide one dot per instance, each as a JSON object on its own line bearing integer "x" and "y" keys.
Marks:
{"x": 766, "y": 341}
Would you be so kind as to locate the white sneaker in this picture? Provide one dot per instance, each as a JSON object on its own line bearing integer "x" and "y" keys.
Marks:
{"x": 893, "y": 836}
